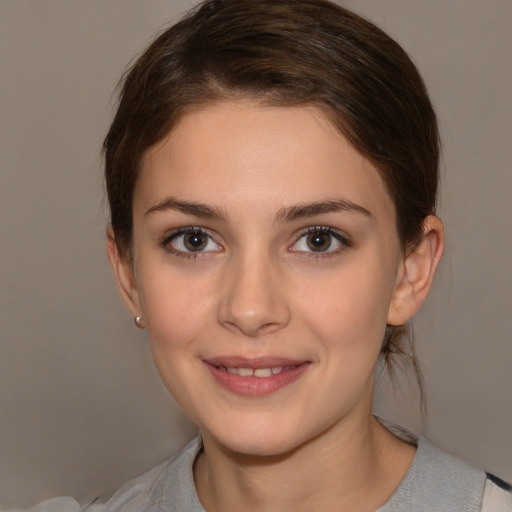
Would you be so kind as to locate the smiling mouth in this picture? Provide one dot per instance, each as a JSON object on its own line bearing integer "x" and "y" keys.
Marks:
{"x": 256, "y": 372}
{"x": 255, "y": 377}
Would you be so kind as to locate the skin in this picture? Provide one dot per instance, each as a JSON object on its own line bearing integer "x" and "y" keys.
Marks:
{"x": 259, "y": 288}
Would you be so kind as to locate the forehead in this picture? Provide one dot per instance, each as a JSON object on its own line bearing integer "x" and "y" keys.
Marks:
{"x": 241, "y": 152}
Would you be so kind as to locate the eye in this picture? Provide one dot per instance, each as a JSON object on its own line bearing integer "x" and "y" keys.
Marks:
{"x": 190, "y": 240}
{"x": 320, "y": 239}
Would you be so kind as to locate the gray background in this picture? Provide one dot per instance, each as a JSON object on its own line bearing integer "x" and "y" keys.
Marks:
{"x": 81, "y": 407}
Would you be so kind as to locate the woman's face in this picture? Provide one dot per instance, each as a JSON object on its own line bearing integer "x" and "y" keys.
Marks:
{"x": 266, "y": 258}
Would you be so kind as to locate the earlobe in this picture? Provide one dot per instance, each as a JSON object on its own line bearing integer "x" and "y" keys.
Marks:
{"x": 417, "y": 273}
{"x": 122, "y": 267}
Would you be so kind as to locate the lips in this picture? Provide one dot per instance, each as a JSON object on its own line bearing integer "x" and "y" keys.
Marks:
{"x": 255, "y": 377}
{"x": 258, "y": 372}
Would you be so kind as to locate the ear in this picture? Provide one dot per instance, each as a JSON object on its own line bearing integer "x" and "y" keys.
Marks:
{"x": 123, "y": 270}
{"x": 417, "y": 273}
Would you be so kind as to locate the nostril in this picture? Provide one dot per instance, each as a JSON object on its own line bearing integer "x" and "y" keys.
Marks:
{"x": 254, "y": 327}
{"x": 252, "y": 302}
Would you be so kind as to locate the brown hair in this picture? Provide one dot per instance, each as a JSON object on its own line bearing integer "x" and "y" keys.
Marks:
{"x": 284, "y": 52}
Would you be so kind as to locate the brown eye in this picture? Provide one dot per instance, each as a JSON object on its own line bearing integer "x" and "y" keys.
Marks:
{"x": 195, "y": 241}
{"x": 190, "y": 240}
{"x": 322, "y": 241}
{"x": 319, "y": 242}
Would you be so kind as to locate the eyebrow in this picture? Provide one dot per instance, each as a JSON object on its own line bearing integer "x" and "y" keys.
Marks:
{"x": 286, "y": 214}
{"x": 188, "y": 207}
{"x": 301, "y": 211}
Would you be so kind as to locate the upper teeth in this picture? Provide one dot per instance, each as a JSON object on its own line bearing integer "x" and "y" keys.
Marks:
{"x": 258, "y": 372}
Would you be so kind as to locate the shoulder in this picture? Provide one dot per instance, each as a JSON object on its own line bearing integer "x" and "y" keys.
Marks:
{"x": 157, "y": 489}
{"x": 437, "y": 480}
{"x": 131, "y": 496}
{"x": 167, "y": 488}
{"x": 497, "y": 495}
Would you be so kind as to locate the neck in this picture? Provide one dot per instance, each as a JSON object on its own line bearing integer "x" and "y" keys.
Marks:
{"x": 354, "y": 467}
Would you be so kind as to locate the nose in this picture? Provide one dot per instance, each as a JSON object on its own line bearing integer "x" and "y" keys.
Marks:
{"x": 253, "y": 300}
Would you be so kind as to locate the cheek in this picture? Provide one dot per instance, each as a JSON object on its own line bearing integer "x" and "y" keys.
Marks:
{"x": 177, "y": 311}
{"x": 176, "y": 307}
{"x": 349, "y": 309}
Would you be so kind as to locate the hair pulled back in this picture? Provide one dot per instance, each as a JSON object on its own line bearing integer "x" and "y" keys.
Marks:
{"x": 283, "y": 53}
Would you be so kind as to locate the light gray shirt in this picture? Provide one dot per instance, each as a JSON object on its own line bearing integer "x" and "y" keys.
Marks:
{"x": 435, "y": 482}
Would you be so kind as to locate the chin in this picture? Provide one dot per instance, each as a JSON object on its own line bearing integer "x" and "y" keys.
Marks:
{"x": 261, "y": 439}
{"x": 260, "y": 447}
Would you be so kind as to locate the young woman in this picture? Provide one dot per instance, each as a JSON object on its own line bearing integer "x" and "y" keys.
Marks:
{"x": 272, "y": 174}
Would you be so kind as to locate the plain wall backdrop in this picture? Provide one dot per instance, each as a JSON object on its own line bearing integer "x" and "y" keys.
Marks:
{"x": 81, "y": 407}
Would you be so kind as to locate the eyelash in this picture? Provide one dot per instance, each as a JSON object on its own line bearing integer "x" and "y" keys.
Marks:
{"x": 192, "y": 255}
{"x": 344, "y": 242}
